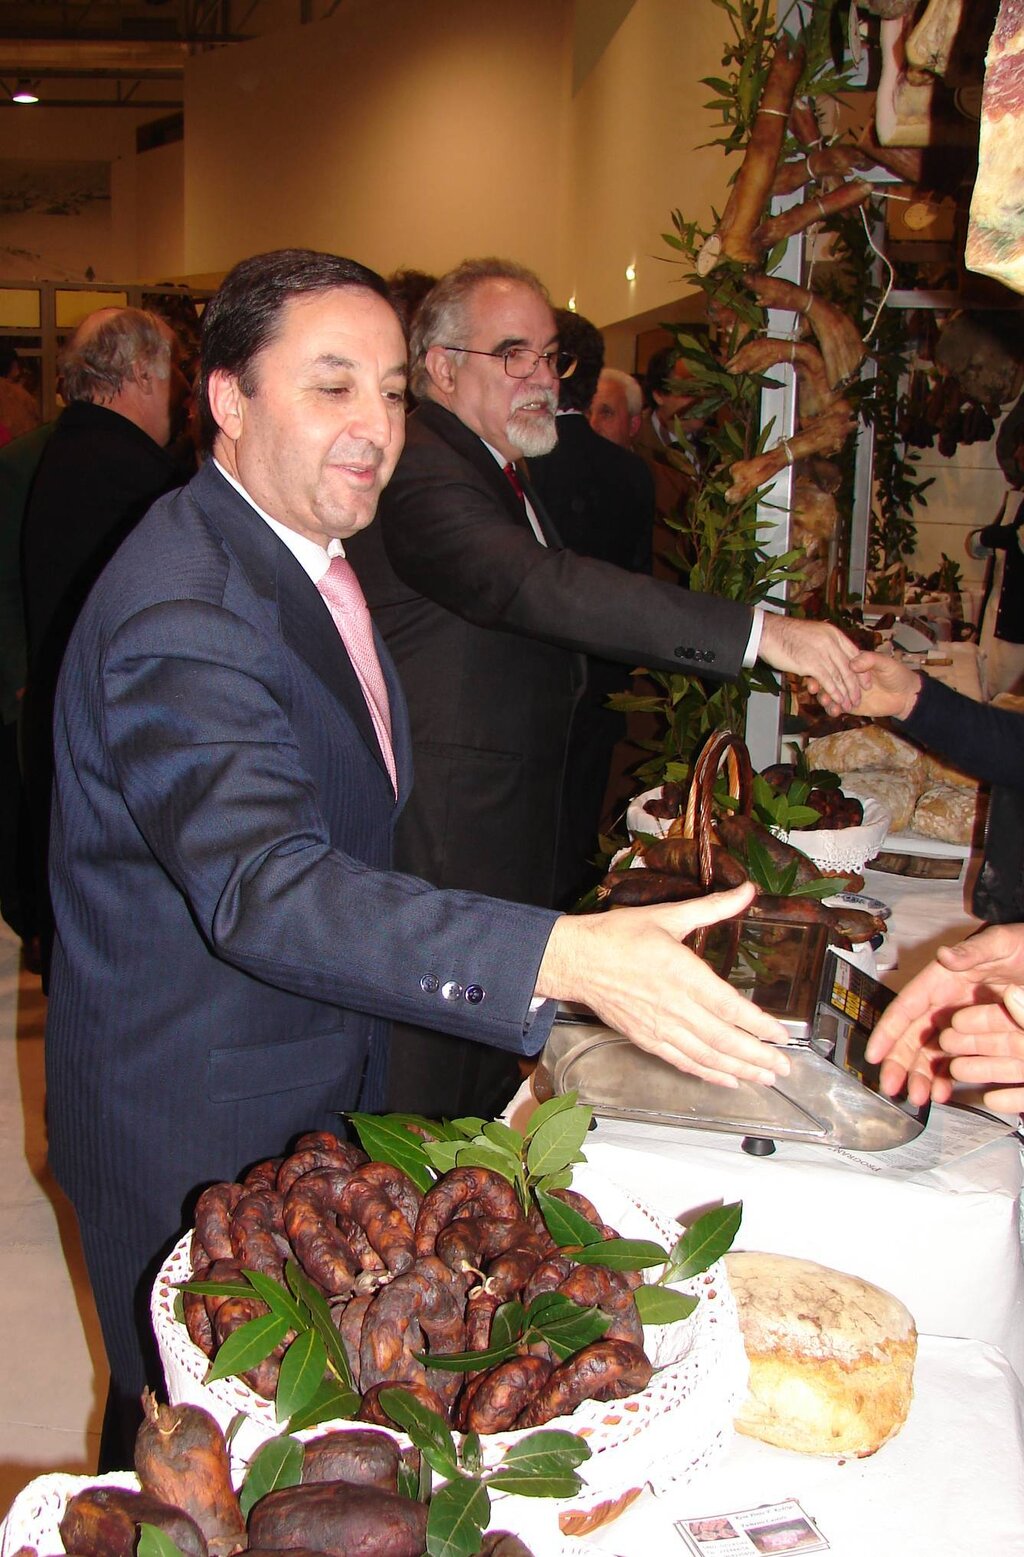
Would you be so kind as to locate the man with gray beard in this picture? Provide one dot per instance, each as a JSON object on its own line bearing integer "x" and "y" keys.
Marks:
{"x": 489, "y": 620}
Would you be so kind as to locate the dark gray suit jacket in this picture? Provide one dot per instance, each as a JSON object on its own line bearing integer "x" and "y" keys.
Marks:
{"x": 487, "y": 628}
{"x": 231, "y": 943}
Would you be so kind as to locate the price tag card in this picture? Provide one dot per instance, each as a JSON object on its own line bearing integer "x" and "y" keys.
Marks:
{"x": 774, "y": 1527}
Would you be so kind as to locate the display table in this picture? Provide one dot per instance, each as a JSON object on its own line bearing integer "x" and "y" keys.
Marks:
{"x": 949, "y": 1485}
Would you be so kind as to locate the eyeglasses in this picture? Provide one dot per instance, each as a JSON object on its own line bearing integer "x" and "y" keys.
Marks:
{"x": 521, "y": 362}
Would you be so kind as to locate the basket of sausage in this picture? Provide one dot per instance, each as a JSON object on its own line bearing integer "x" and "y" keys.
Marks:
{"x": 415, "y": 1280}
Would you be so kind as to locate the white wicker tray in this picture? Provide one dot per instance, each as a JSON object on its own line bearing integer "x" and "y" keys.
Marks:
{"x": 35, "y": 1515}
{"x": 661, "y": 1437}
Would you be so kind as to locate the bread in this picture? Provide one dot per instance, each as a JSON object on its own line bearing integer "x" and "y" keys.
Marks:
{"x": 871, "y": 746}
{"x": 831, "y": 1356}
{"x": 946, "y": 812}
{"x": 896, "y": 792}
{"x": 939, "y": 772}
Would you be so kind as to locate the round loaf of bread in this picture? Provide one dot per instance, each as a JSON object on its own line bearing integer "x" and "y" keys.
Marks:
{"x": 831, "y": 1356}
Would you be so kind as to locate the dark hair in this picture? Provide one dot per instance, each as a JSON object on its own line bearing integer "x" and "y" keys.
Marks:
{"x": 242, "y": 317}
{"x": 658, "y": 372}
{"x": 586, "y": 343}
{"x": 408, "y": 288}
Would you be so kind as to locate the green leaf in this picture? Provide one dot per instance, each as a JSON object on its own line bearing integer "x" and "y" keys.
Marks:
{"x": 216, "y": 1288}
{"x": 275, "y": 1464}
{"x": 462, "y": 1362}
{"x": 560, "y": 1180}
{"x": 567, "y": 1226}
{"x": 247, "y": 1346}
{"x": 706, "y": 1241}
{"x": 385, "y": 1141}
{"x": 545, "y": 1111}
{"x": 468, "y": 1126}
{"x": 331, "y": 1402}
{"x": 622, "y": 1254}
{"x": 428, "y": 1431}
{"x": 472, "y": 1454}
{"x": 439, "y": 1129}
{"x": 442, "y": 1155}
{"x": 504, "y": 1136}
{"x": 279, "y": 1300}
{"x": 555, "y": 1144}
{"x": 459, "y": 1514}
{"x": 302, "y": 1370}
{"x": 409, "y": 1481}
{"x": 320, "y": 1316}
{"x": 662, "y": 1306}
{"x": 566, "y": 1326}
{"x": 492, "y": 1157}
{"x": 156, "y": 1543}
{"x": 542, "y": 1466}
{"x": 508, "y": 1323}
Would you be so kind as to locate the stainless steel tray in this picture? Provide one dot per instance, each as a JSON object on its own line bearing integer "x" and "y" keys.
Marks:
{"x": 820, "y": 1100}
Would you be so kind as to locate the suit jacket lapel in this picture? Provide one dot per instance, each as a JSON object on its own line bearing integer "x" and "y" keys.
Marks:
{"x": 304, "y": 619}
{"x": 471, "y": 448}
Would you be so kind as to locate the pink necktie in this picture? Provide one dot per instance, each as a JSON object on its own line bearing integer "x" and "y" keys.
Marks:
{"x": 345, "y": 600}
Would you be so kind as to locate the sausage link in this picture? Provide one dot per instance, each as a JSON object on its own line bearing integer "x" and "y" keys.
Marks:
{"x": 387, "y": 1228}
{"x": 371, "y": 1409}
{"x": 419, "y": 1307}
{"x": 493, "y": 1195}
{"x": 594, "y": 1286}
{"x": 315, "y": 1151}
{"x": 468, "y": 1242}
{"x": 258, "y": 1238}
{"x": 235, "y": 1312}
{"x": 214, "y": 1210}
{"x": 604, "y": 1370}
{"x": 262, "y": 1175}
{"x": 311, "y": 1224}
{"x": 350, "y": 1327}
{"x": 495, "y": 1399}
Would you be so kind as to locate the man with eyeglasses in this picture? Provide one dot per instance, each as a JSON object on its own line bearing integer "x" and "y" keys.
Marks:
{"x": 488, "y": 619}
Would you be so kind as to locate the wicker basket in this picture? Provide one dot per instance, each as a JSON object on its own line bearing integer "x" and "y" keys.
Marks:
{"x": 658, "y": 1438}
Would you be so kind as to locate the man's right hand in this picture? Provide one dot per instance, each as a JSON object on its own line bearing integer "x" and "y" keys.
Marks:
{"x": 630, "y": 968}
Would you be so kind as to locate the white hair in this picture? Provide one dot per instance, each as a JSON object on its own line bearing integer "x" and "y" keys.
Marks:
{"x": 633, "y": 392}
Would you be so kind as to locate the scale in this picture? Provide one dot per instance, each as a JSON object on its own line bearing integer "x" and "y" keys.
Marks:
{"x": 832, "y": 1095}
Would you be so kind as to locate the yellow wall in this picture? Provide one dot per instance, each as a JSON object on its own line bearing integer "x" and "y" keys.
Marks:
{"x": 417, "y": 132}
{"x": 402, "y": 132}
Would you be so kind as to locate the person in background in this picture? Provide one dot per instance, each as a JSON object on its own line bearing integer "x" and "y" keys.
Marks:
{"x": 488, "y": 616}
{"x": 616, "y": 410}
{"x": 668, "y": 441}
{"x": 232, "y": 753}
{"x": 19, "y": 413}
{"x": 601, "y": 500}
{"x": 986, "y": 742}
{"x": 103, "y": 465}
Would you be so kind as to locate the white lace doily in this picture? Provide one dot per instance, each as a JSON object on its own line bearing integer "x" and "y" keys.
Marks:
{"x": 659, "y": 1438}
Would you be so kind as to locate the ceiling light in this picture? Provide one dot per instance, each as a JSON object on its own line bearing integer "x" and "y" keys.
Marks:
{"x": 630, "y": 272}
{"x": 23, "y": 92}
{"x": 571, "y": 305}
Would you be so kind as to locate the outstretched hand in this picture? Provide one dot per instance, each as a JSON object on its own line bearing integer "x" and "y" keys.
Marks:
{"x": 913, "y": 1038}
{"x": 629, "y": 966}
{"x": 818, "y": 652}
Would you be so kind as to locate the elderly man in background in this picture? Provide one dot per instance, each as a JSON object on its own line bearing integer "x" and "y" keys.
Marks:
{"x": 232, "y": 753}
{"x": 616, "y": 410}
{"x": 488, "y": 618}
{"x": 103, "y": 465}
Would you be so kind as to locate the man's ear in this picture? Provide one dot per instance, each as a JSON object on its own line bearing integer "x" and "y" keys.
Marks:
{"x": 635, "y": 424}
{"x": 226, "y": 402}
{"x": 440, "y": 368}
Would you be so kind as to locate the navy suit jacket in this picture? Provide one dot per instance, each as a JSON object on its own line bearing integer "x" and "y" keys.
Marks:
{"x": 488, "y": 629}
{"x": 230, "y": 941}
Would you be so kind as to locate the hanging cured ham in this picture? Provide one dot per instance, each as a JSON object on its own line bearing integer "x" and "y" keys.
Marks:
{"x": 995, "y": 234}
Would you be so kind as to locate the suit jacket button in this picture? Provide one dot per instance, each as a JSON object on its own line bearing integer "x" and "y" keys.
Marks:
{"x": 682, "y": 653}
{"x": 430, "y": 983}
{"x": 451, "y": 991}
{"x": 474, "y": 994}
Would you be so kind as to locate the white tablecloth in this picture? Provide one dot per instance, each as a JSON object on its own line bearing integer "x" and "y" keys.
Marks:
{"x": 949, "y": 1485}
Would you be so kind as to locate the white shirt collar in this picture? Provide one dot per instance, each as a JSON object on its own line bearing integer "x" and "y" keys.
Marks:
{"x": 311, "y": 557}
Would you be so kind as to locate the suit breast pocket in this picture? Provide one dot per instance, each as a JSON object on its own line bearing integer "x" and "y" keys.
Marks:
{"x": 318, "y": 1061}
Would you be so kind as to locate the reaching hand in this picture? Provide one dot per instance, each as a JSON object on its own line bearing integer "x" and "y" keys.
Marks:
{"x": 910, "y": 1040}
{"x": 629, "y": 967}
{"x": 986, "y": 1043}
{"x": 820, "y": 653}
